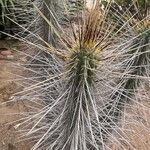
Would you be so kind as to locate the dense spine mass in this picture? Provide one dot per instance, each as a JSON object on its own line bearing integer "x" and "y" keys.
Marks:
{"x": 82, "y": 78}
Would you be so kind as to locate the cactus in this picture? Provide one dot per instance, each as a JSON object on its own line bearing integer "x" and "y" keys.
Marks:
{"x": 77, "y": 92}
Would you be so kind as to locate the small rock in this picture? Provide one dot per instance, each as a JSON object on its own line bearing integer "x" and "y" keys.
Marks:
{"x": 10, "y": 57}
{"x": 3, "y": 142}
{"x": 6, "y": 53}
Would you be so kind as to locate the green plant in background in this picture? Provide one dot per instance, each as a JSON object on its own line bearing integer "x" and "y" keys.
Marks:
{"x": 75, "y": 5}
{"x": 78, "y": 91}
{"x": 5, "y": 7}
{"x": 142, "y": 6}
{"x": 136, "y": 65}
{"x": 13, "y": 12}
{"x": 135, "y": 60}
{"x": 138, "y": 8}
{"x": 56, "y": 10}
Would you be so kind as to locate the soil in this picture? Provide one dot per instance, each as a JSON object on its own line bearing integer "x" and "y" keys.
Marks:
{"x": 8, "y": 136}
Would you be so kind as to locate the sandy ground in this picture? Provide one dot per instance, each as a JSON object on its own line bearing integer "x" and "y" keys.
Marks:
{"x": 8, "y": 136}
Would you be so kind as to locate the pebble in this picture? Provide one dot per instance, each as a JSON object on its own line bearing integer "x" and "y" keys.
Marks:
{"x": 6, "y": 53}
{"x": 10, "y": 57}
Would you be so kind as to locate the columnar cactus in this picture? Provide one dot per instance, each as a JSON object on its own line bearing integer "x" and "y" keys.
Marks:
{"x": 77, "y": 92}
